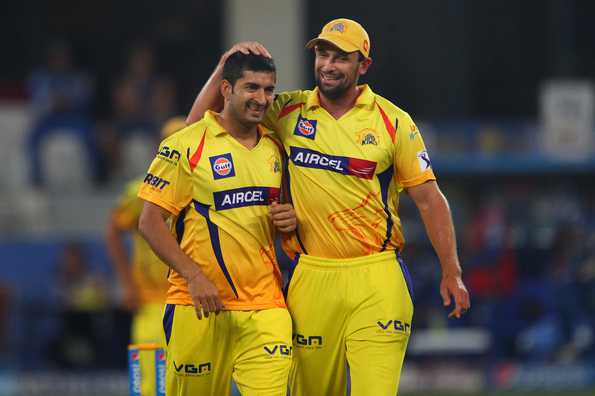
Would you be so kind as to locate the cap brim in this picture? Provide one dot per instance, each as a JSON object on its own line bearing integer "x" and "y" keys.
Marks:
{"x": 338, "y": 42}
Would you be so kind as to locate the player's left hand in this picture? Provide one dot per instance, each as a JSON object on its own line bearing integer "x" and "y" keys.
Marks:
{"x": 283, "y": 217}
{"x": 452, "y": 286}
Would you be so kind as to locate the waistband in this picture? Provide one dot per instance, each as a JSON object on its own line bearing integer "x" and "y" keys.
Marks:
{"x": 321, "y": 262}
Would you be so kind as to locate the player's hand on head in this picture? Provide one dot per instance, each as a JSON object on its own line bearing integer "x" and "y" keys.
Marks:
{"x": 283, "y": 217}
{"x": 247, "y": 47}
{"x": 204, "y": 295}
{"x": 452, "y": 287}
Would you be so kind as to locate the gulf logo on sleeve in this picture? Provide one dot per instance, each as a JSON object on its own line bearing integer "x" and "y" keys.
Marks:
{"x": 305, "y": 128}
{"x": 222, "y": 166}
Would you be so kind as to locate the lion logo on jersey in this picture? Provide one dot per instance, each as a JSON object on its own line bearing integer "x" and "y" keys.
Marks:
{"x": 367, "y": 137}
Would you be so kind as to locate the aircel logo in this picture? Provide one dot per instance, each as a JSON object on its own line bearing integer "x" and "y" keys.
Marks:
{"x": 345, "y": 165}
{"x": 245, "y": 196}
{"x": 222, "y": 166}
{"x": 192, "y": 370}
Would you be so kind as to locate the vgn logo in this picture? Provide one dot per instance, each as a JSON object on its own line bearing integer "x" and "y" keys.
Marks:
{"x": 279, "y": 350}
{"x": 193, "y": 370}
{"x": 393, "y": 326}
{"x": 222, "y": 166}
{"x": 303, "y": 341}
{"x": 305, "y": 128}
{"x": 169, "y": 155}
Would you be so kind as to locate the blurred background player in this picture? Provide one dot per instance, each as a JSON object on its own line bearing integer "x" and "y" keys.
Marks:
{"x": 142, "y": 276}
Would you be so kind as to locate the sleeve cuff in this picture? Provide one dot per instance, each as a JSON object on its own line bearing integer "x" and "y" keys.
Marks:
{"x": 420, "y": 179}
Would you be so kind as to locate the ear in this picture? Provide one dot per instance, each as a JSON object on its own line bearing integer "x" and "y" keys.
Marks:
{"x": 364, "y": 65}
{"x": 226, "y": 89}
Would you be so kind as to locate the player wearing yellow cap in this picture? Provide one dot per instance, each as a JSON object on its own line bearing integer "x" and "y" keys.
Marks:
{"x": 221, "y": 178}
{"x": 351, "y": 153}
{"x": 142, "y": 276}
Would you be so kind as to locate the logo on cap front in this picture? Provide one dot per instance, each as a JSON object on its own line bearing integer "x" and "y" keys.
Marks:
{"x": 222, "y": 166}
{"x": 338, "y": 27}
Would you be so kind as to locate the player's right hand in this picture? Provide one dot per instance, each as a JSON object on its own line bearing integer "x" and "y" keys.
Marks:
{"x": 205, "y": 295}
{"x": 246, "y": 47}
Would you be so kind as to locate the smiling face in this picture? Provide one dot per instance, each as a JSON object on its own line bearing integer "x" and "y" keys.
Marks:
{"x": 336, "y": 71}
{"x": 250, "y": 97}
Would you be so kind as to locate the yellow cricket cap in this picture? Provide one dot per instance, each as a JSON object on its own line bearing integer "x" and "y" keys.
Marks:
{"x": 172, "y": 125}
{"x": 346, "y": 34}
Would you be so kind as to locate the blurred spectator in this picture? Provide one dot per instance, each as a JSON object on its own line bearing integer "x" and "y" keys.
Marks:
{"x": 142, "y": 101}
{"x": 60, "y": 98}
{"x": 4, "y": 309}
{"x": 84, "y": 339}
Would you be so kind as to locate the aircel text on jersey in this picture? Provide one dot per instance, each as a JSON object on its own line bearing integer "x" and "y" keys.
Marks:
{"x": 240, "y": 197}
{"x": 313, "y": 158}
{"x": 245, "y": 196}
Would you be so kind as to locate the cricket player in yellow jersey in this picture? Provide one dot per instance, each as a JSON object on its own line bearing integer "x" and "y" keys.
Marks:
{"x": 221, "y": 178}
{"x": 351, "y": 153}
{"x": 142, "y": 276}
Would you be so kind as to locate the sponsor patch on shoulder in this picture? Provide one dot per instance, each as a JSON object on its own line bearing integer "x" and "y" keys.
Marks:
{"x": 424, "y": 160}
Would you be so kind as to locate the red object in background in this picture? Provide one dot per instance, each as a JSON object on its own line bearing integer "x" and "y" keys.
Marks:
{"x": 494, "y": 279}
{"x": 12, "y": 91}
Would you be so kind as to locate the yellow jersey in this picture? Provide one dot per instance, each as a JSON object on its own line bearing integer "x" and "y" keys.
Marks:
{"x": 220, "y": 191}
{"x": 346, "y": 174}
{"x": 148, "y": 271}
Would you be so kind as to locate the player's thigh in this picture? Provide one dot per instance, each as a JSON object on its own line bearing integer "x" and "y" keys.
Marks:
{"x": 375, "y": 366}
{"x": 198, "y": 354}
{"x": 318, "y": 366}
{"x": 379, "y": 330}
{"x": 262, "y": 354}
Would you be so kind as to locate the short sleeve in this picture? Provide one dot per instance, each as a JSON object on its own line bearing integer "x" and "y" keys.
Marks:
{"x": 168, "y": 182}
{"x": 412, "y": 161}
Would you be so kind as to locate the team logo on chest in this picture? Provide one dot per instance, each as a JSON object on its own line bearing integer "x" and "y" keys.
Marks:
{"x": 305, "y": 128}
{"x": 222, "y": 166}
{"x": 367, "y": 137}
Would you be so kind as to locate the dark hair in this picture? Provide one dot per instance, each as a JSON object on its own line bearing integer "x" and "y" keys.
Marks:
{"x": 238, "y": 62}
